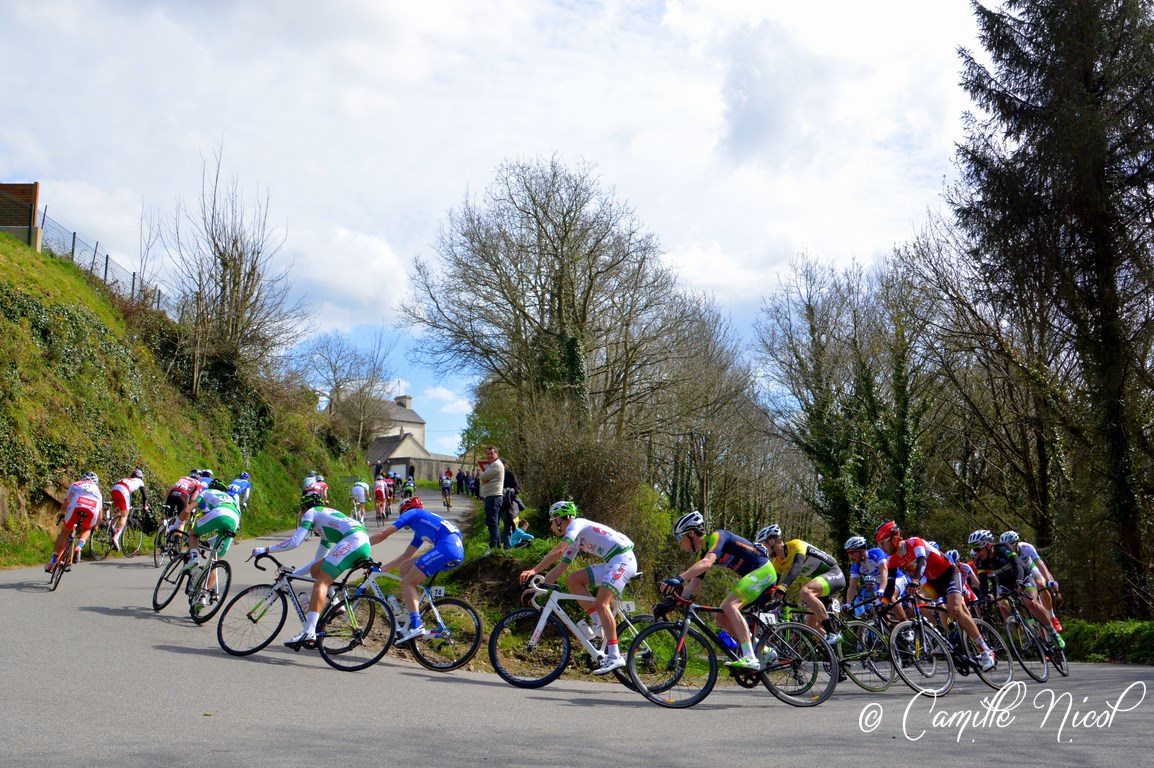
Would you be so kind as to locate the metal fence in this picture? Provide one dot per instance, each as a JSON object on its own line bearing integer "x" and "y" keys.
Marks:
{"x": 65, "y": 243}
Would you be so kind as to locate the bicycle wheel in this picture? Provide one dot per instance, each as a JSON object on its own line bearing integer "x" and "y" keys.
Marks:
{"x": 922, "y": 658}
{"x": 354, "y": 634}
{"x": 56, "y": 576}
{"x": 452, "y": 635}
{"x": 131, "y": 539}
{"x": 168, "y": 584}
{"x": 627, "y": 631}
{"x": 1060, "y": 662}
{"x": 1003, "y": 672}
{"x": 522, "y": 661}
{"x": 805, "y": 672}
{"x": 669, "y": 672}
{"x": 252, "y": 620}
{"x": 1027, "y": 649}
{"x": 216, "y": 594}
{"x": 158, "y": 539}
{"x": 864, "y": 655}
{"x": 100, "y": 542}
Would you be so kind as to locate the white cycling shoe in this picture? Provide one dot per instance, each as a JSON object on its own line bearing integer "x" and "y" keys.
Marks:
{"x": 303, "y": 640}
{"x": 987, "y": 660}
{"x": 412, "y": 633}
{"x": 610, "y": 663}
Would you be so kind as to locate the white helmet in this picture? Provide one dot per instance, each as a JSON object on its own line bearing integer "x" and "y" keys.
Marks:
{"x": 855, "y": 542}
{"x": 980, "y": 537}
{"x": 1010, "y": 537}
{"x": 90, "y": 477}
{"x": 773, "y": 530}
{"x": 689, "y": 522}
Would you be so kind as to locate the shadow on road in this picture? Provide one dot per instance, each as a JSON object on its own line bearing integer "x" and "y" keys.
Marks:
{"x": 257, "y": 658}
{"x": 132, "y": 611}
{"x": 29, "y": 586}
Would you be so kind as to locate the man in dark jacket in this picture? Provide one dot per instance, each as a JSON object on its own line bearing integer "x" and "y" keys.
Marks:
{"x": 511, "y": 505}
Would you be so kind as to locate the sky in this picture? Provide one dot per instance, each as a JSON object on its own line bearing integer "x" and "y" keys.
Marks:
{"x": 743, "y": 132}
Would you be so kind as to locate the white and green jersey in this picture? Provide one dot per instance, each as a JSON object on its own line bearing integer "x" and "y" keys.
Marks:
{"x": 595, "y": 539}
{"x": 332, "y": 525}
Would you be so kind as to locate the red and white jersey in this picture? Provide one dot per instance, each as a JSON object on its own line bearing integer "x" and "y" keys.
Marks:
{"x": 85, "y": 495}
{"x": 319, "y": 488}
{"x": 907, "y": 553}
{"x": 189, "y": 486}
{"x": 128, "y": 486}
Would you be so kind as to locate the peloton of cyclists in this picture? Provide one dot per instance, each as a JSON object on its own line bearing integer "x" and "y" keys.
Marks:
{"x": 820, "y": 576}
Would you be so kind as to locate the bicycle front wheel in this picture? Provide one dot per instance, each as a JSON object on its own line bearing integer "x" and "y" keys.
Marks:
{"x": 220, "y": 576}
{"x": 922, "y": 658}
{"x": 168, "y": 584}
{"x": 354, "y": 634}
{"x": 1002, "y": 673}
{"x": 805, "y": 670}
{"x": 452, "y": 635}
{"x": 669, "y": 672}
{"x": 131, "y": 539}
{"x": 1027, "y": 649}
{"x": 627, "y": 630}
{"x": 864, "y": 655}
{"x": 158, "y": 540}
{"x": 1060, "y": 662}
{"x": 57, "y": 575}
{"x": 525, "y": 661}
{"x": 252, "y": 620}
{"x": 100, "y": 542}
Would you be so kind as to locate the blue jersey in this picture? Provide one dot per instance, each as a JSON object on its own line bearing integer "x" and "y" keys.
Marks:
{"x": 425, "y": 526}
{"x": 238, "y": 486}
{"x": 867, "y": 569}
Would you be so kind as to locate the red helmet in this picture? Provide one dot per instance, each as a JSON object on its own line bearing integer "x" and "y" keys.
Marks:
{"x": 886, "y": 530}
{"x": 412, "y": 503}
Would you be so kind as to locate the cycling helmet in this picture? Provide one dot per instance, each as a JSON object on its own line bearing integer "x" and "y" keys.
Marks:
{"x": 886, "y": 530}
{"x": 217, "y": 485}
{"x": 90, "y": 477}
{"x": 245, "y": 475}
{"x": 1010, "y": 537}
{"x": 693, "y": 520}
{"x": 771, "y": 531}
{"x": 320, "y": 478}
{"x": 980, "y": 537}
{"x": 952, "y": 555}
{"x": 934, "y": 545}
{"x": 413, "y": 503}
{"x": 564, "y": 509}
{"x": 138, "y": 473}
{"x": 311, "y": 500}
{"x": 855, "y": 542}
{"x": 206, "y": 474}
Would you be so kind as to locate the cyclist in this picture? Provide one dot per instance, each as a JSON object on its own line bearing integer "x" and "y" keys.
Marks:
{"x": 220, "y": 517}
{"x": 240, "y": 489}
{"x": 81, "y": 507}
{"x": 868, "y": 575}
{"x": 381, "y": 494}
{"x": 121, "y": 493}
{"x": 999, "y": 565}
{"x": 348, "y": 544}
{"x": 1036, "y": 571}
{"x": 728, "y": 550}
{"x": 448, "y": 551}
{"x": 819, "y": 573}
{"x": 410, "y": 488}
{"x": 941, "y": 579}
{"x": 204, "y": 477}
{"x": 310, "y": 478}
{"x": 320, "y": 488}
{"x": 181, "y": 496}
{"x": 447, "y": 487}
{"x": 360, "y": 492}
{"x": 609, "y": 577}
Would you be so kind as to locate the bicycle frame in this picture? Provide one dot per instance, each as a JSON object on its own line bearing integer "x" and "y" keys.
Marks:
{"x": 429, "y": 593}
{"x": 552, "y": 608}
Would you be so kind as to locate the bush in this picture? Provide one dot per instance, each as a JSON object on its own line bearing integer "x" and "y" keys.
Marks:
{"x": 1127, "y": 642}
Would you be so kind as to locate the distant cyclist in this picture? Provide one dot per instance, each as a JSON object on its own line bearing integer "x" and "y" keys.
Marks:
{"x": 240, "y": 489}
{"x": 220, "y": 518}
{"x": 320, "y": 488}
{"x": 447, "y": 487}
{"x": 1036, "y": 571}
{"x": 410, "y": 488}
{"x": 121, "y": 493}
{"x": 360, "y": 492}
{"x": 181, "y": 496}
{"x": 817, "y": 572}
{"x": 81, "y": 508}
{"x": 381, "y": 495}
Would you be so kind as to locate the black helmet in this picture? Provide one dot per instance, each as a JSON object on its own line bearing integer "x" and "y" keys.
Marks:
{"x": 217, "y": 485}
{"x": 310, "y": 500}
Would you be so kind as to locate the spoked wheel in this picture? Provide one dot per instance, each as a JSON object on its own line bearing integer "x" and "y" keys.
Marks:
{"x": 1060, "y": 662}
{"x": 158, "y": 549}
{"x": 799, "y": 667}
{"x": 669, "y": 672}
{"x": 353, "y": 635}
{"x": 627, "y": 632}
{"x": 100, "y": 542}
{"x": 520, "y": 660}
{"x": 215, "y": 595}
{"x": 56, "y": 575}
{"x": 1027, "y": 649}
{"x": 252, "y": 620}
{"x": 452, "y": 635}
{"x": 922, "y": 658}
{"x": 131, "y": 539}
{"x": 169, "y": 583}
{"x": 864, "y": 655}
{"x": 1003, "y": 672}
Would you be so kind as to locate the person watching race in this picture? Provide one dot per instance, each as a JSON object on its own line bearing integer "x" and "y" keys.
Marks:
{"x": 608, "y": 577}
{"x": 121, "y": 493}
{"x": 941, "y": 579}
{"x": 727, "y": 550}
{"x": 447, "y": 551}
{"x": 1036, "y": 571}
{"x": 348, "y": 544}
{"x": 219, "y": 518}
{"x": 819, "y": 574}
{"x": 81, "y": 508}
{"x": 240, "y": 489}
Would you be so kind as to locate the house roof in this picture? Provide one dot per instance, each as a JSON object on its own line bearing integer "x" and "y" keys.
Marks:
{"x": 403, "y": 415}
{"x": 385, "y": 448}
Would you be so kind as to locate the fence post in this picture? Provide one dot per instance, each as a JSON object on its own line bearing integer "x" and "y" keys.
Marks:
{"x": 132, "y": 290}
{"x": 43, "y": 217}
{"x": 106, "y": 266}
{"x": 73, "y": 254}
{"x": 92, "y": 266}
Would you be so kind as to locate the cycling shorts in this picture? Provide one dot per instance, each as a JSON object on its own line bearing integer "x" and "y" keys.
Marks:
{"x": 358, "y": 494}
{"x": 218, "y": 521}
{"x": 379, "y": 494}
{"x": 83, "y": 511}
{"x": 950, "y": 582}
{"x": 614, "y": 573}
{"x": 177, "y": 501}
{"x": 832, "y": 581}
{"x": 120, "y": 496}
{"x": 448, "y": 552}
{"x": 346, "y": 553}
{"x": 752, "y": 584}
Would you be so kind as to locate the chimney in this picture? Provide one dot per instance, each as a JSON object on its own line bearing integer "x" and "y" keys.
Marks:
{"x": 405, "y": 401}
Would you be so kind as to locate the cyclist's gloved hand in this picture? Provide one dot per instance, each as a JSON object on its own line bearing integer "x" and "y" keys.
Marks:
{"x": 1053, "y": 584}
{"x": 671, "y": 586}
{"x": 662, "y": 609}
{"x": 258, "y": 551}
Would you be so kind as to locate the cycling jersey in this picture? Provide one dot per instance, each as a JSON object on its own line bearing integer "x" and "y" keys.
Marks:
{"x": 220, "y": 515}
{"x": 1002, "y": 567}
{"x": 803, "y": 560}
{"x": 448, "y": 550}
{"x": 869, "y": 569}
{"x": 360, "y": 492}
{"x": 734, "y": 552}
{"x": 239, "y": 489}
{"x": 908, "y": 551}
{"x": 380, "y": 490}
{"x": 321, "y": 489}
{"x": 446, "y": 483}
{"x": 1029, "y": 556}
{"x": 189, "y": 486}
{"x": 82, "y": 505}
{"x": 122, "y": 491}
{"x": 593, "y": 538}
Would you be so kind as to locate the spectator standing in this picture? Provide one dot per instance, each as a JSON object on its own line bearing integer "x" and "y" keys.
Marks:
{"x": 511, "y": 506}
{"x": 377, "y": 470}
{"x": 461, "y": 481}
{"x": 492, "y": 480}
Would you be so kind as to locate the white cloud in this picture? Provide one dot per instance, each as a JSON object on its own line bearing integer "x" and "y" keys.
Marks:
{"x": 452, "y": 402}
{"x": 447, "y": 445}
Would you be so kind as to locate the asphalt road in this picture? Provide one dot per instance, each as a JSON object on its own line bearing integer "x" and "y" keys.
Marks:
{"x": 92, "y": 676}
